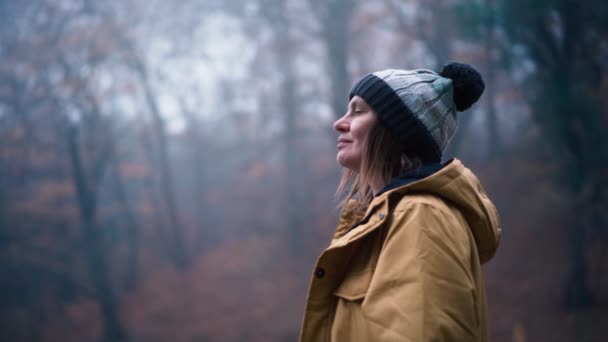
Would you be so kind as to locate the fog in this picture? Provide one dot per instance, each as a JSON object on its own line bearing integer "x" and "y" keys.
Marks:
{"x": 168, "y": 172}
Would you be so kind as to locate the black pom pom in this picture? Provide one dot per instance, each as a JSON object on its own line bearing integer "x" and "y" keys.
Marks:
{"x": 468, "y": 84}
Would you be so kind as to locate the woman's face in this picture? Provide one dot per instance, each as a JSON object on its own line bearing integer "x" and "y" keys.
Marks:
{"x": 354, "y": 127}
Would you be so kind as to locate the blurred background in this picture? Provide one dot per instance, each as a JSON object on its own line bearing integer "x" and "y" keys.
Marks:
{"x": 167, "y": 168}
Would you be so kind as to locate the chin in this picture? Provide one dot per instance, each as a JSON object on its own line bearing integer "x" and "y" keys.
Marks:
{"x": 346, "y": 162}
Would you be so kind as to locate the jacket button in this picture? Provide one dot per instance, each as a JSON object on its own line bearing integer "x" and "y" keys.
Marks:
{"x": 319, "y": 272}
{"x": 381, "y": 216}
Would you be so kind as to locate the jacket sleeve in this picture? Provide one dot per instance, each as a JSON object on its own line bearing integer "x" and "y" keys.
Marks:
{"x": 422, "y": 288}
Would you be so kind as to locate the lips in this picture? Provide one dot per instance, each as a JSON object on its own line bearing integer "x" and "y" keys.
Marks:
{"x": 342, "y": 142}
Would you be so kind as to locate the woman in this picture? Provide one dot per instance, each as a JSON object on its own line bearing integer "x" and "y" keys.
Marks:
{"x": 404, "y": 262}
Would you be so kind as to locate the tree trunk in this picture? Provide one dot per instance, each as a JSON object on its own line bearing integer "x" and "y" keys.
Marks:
{"x": 166, "y": 174}
{"x": 132, "y": 226}
{"x": 113, "y": 331}
{"x": 204, "y": 238}
{"x": 439, "y": 42}
{"x": 494, "y": 141}
{"x": 335, "y": 18}
{"x": 577, "y": 294}
{"x": 293, "y": 176}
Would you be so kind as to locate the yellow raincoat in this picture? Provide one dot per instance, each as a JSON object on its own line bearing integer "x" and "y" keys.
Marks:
{"x": 409, "y": 270}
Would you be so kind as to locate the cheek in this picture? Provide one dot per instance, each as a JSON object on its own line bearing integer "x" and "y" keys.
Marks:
{"x": 358, "y": 140}
{"x": 360, "y": 130}
{"x": 357, "y": 133}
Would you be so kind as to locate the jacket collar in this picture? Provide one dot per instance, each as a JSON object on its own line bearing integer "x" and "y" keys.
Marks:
{"x": 456, "y": 185}
{"x": 399, "y": 185}
{"x": 413, "y": 176}
{"x": 380, "y": 204}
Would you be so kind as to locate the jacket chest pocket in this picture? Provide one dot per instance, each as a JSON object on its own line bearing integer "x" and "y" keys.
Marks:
{"x": 354, "y": 286}
{"x": 360, "y": 269}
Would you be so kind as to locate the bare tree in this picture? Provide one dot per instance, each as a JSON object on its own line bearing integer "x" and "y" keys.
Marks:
{"x": 87, "y": 199}
{"x": 200, "y": 164}
{"x": 277, "y": 17}
{"x": 131, "y": 223}
{"x": 334, "y": 17}
{"x": 80, "y": 122}
{"x": 164, "y": 163}
{"x": 564, "y": 42}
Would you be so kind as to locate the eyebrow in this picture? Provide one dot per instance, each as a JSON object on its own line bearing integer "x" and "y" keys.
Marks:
{"x": 359, "y": 103}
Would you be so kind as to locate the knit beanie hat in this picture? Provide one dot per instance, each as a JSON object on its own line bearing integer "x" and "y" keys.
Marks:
{"x": 419, "y": 106}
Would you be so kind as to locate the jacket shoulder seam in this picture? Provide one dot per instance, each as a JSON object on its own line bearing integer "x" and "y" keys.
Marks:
{"x": 434, "y": 202}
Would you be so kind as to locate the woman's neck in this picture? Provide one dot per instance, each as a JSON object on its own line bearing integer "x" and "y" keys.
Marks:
{"x": 377, "y": 186}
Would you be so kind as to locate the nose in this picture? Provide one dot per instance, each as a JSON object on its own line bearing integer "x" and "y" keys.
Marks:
{"x": 341, "y": 125}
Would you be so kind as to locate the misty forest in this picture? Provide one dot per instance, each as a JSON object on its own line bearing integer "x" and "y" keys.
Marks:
{"x": 168, "y": 168}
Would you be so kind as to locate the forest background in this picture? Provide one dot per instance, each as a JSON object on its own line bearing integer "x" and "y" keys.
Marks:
{"x": 167, "y": 168}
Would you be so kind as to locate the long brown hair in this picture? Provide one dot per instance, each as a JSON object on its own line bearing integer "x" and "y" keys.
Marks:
{"x": 384, "y": 158}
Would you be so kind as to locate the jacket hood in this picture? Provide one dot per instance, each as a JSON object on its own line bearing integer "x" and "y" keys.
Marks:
{"x": 458, "y": 186}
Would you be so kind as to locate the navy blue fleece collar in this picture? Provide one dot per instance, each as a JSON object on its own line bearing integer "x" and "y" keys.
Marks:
{"x": 422, "y": 172}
